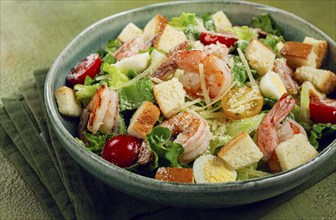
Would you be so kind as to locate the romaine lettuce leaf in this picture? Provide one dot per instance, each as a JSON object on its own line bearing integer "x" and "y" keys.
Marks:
{"x": 113, "y": 45}
{"x": 243, "y": 33}
{"x": 322, "y": 131}
{"x": 266, "y": 23}
{"x": 96, "y": 142}
{"x": 271, "y": 41}
{"x": 84, "y": 93}
{"x": 239, "y": 72}
{"x": 132, "y": 96}
{"x": 165, "y": 151}
{"x": 189, "y": 24}
{"x": 116, "y": 76}
{"x": 208, "y": 22}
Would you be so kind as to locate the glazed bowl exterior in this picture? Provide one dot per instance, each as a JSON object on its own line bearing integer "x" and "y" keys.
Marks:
{"x": 175, "y": 194}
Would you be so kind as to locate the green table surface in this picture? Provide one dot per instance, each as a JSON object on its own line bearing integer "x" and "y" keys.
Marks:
{"x": 33, "y": 33}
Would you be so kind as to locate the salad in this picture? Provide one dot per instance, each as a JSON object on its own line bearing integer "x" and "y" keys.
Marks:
{"x": 195, "y": 99}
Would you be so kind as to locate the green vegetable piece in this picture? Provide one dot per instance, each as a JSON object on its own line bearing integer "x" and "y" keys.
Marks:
{"x": 131, "y": 74}
{"x": 239, "y": 71}
{"x": 117, "y": 77}
{"x": 208, "y": 22}
{"x": 322, "y": 131}
{"x": 109, "y": 59}
{"x": 246, "y": 124}
{"x": 242, "y": 44}
{"x": 243, "y": 33}
{"x": 165, "y": 152}
{"x": 84, "y": 93}
{"x": 266, "y": 23}
{"x": 132, "y": 96}
{"x": 96, "y": 141}
{"x": 189, "y": 24}
{"x": 113, "y": 45}
{"x": 271, "y": 41}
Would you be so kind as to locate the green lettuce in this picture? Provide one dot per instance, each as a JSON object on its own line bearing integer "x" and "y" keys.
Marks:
{"x": 132, "y": 96}
{"x": 84, "y": 93}
{"x": 242, "y": 44}
{"x": 96, "y": 142}
{"x": 189, "y": 24}
{"x": 246, "y": 124}
{"x": 113, "y": 45}
{"x": 266, "y": 23}
{"x": 271, "y": 41}
{"x": 208, "y": 22}
{"x": 166, "y": 152}
{"x": 116, "y": 76}
{"x": 322, "y": 131}
{"x": 243, "y": 33}
{"x": 239, "y": 72}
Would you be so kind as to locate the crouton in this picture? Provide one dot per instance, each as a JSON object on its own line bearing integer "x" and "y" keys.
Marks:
{"x": 272, "y": 86}
{"x": 129, "y": 32}
{"x": 295, "y": 152}
{"x": 169, "y": 38}
{"x": 67, "y": 102}
{"x": 143, "y": 120}
{"x": 222, "y": 23}
{"x": 298, "y": 54}
{"x": 319, "y": 48}
{"x": 170, "y": 97}
{"x": 260, "y": 56}
{"x": 240, "y": 152}
{"x": 324, "y": 80}
{"x": 173, "y": 174}
{"x": 154, "y": 26}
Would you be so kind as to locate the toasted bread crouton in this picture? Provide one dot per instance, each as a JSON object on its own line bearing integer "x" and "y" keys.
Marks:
{"x": 154, "y": 26}
{"x": 298, "y": 54}
{"x": 319, "y": 47}
{"x": 169, "y": 38}
{"x": 240, "y": 152}
{"x": 173, "y": 174}
{"x": 295, "y": 152}
{"x": 222, "y": 23}
{"x": 324, "y": 80}
{"x": 170, "y": 97}
{"x": 260, "y": 56}
{"x": 143, "y": 120}
{"x": 67, "y": 102}
{"x": 129, "y": 32}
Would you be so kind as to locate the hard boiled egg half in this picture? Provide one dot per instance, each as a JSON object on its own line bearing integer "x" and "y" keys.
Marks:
{"x": 212, "y": 169}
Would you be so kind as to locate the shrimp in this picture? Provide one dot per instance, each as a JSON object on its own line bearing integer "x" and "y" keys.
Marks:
{"x": 103, "y": 109}
{"x": 287, "y": 75}
{"x": 132, "y": 47}
{"x": 267, "y": 134}
{"x": 191, "y": 131}
{"x": 216, "y": 73}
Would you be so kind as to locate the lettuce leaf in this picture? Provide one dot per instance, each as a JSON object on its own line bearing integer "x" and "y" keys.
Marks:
{"x": 271, "y": 41}
{"x": 266, "y": 23}
{"x": 243, "y": 33}
{"x": 208, "y": 22}
{"x": 322, "y": 131}
{"x": 239, "y": 71}
{"x": 113, "y": 45}
{"x": 165, "y": 151}
{"x": 84, "y": 93}
{"x": 132, "y": 96}
{"x": 116, "y": 76}
{"x": 189, "y": 24}
{"x": 96, "y": 142}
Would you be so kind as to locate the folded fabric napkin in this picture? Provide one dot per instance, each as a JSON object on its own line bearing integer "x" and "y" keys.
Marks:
{"x": 67, "y": 191}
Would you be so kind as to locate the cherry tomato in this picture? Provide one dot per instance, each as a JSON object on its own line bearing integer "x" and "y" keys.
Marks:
{"x": 211, "y": 38}
{"x": 323, "y": 110}
{"x": 89, "y": 66}
{"x": 242, "y": 102}
{"x": 122, "y": 150}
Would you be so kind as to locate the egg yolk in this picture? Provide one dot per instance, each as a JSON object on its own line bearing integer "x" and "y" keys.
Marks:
{"x": 216, "y": 171}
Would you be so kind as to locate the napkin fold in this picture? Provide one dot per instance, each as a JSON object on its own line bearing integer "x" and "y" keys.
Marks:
{"x": 67, "y": 191}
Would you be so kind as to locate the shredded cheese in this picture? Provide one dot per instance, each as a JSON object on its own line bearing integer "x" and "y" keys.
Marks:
{"x": 249, "y": 73}
{"x": 213, "y": 115}
{"x": 203, "y": 84}
{"x": 245, "y": 101}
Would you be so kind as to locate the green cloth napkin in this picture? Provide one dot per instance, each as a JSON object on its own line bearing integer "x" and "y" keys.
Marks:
{"x": 67, "y": 191}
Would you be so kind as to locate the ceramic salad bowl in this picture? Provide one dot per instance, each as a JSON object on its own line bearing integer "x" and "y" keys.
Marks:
{"x": 185, "y": 195}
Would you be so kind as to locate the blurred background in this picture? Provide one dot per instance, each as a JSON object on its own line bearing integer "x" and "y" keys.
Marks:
{"x": 33, "y": 33}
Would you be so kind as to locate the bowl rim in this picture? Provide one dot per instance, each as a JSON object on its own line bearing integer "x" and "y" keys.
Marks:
{"x": 142, "y": 182}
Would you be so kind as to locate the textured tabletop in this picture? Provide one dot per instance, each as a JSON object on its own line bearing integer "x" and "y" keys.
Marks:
{"x": 33, "y": 33}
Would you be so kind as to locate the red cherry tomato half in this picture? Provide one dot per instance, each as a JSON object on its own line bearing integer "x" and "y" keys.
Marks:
{"x": 122, "y": 150}
{"x": 323, "y": 110}
{"x": 212, "y": 38}
{"x": 89, "y": 66}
